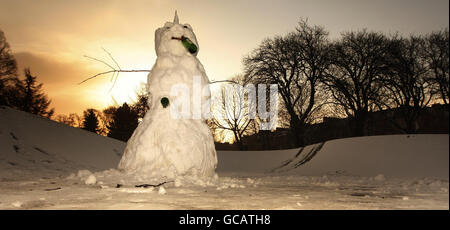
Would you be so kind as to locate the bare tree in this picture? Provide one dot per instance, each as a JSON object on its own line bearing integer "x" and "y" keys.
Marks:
{"x": 295, "y": 63}
{"x": 358, "y": 62}
{"x": 437, "y": 58}
{"x": 61, "y": 118}
{"x": 107, "y": 116}
{"x": 233, "y": 112}
{"x": 72, "y": 119}
{"x": 407, "y": 81}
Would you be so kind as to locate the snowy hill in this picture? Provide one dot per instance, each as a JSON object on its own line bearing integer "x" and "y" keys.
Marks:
{"x": 42, "y": 166}
{"x": 35, "y": 146}
{"x": 391, "y": 155}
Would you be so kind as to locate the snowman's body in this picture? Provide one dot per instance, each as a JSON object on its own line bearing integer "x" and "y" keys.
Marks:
{"x": 164, "y": 145}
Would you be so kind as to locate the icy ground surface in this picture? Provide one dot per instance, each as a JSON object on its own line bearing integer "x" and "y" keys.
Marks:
{"x": 230, "y": 192}
{"x": 47, "y": 165}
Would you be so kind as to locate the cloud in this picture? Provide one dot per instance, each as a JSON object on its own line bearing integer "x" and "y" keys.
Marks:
{"x": 50, "y": 71}
{"x": 61, "y": 78}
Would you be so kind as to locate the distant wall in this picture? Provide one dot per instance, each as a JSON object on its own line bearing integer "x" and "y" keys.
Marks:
{"x": 433, "y": 120}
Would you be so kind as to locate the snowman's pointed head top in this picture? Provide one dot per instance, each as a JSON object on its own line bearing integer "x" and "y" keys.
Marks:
{"x": 175, "y": 39}
{"x": 175, "y": 19}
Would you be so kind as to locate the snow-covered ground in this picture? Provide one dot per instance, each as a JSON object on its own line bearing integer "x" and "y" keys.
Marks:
{"x": 47, "y": 165}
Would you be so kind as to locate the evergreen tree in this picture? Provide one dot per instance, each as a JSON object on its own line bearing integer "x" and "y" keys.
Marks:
{"x": 141, "y": 105}
{"x": 90, "y": 121}
{"x": 30, "y": 97}
{"x": 8, "y": 71}
{"x": 124, "y": 122}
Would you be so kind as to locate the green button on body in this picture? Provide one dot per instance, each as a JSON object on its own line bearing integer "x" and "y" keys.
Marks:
{"x": 165, "y": 102}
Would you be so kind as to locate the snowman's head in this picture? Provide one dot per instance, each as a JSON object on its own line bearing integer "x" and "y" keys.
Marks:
{"x": 175, "y": 39}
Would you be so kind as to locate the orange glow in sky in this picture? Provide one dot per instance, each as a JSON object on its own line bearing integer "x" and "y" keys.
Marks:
{"x": 51, "y": 37}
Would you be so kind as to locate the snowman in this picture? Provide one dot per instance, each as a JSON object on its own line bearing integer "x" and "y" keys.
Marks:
{"x": 167, "y": 144}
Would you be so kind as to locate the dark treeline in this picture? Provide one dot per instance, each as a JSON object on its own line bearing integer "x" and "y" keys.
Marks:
{"x": 118, "y": 122}
{"x": 359, "y": 73}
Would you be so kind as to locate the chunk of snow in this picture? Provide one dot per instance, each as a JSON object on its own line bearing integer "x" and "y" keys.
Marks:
{"x": 136, "y": 190}
{"x": 161, "y": 191}
{"x": 177, "y": 182}
{"x": 435, "y": 184}
{"x": 380, "y": 177}
{"x": 200, "y": 183}
{"x": 83, "y": 173}
{"x": 17, "y": 204}
{"x": 90, "y": 180}
{"x": 71, "y": 176}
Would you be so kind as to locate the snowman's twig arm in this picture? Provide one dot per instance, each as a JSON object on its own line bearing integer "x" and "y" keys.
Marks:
{"x": 136, "y": 71}
{"x": 229, "y": 81}
{"x": 96, "y": 59}
{"x": 114, "y": 71}
{"x": 110, "y": 56}
{"x": 116, "y": 74}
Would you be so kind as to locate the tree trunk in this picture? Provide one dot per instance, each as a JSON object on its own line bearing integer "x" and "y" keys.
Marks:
{"x": 297, "y": 131}
{"x": 239, "y": 141}
{"x": 411, "y": 120}
{"x": 359, "y": 124}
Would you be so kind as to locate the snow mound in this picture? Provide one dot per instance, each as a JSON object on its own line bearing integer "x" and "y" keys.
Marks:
{"x": 424, "y": 155}
{"x": 32, "y": 146}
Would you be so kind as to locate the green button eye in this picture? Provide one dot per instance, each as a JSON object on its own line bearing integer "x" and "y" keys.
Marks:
{"x": 165, "y": 102}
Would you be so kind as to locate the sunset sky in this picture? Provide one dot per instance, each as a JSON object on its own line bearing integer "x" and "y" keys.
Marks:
{"x": 51, "y": 36}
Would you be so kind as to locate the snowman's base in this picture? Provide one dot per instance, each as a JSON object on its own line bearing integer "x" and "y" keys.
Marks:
{"x": 156, "y": 151}
{"x": 114, "y": 178}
